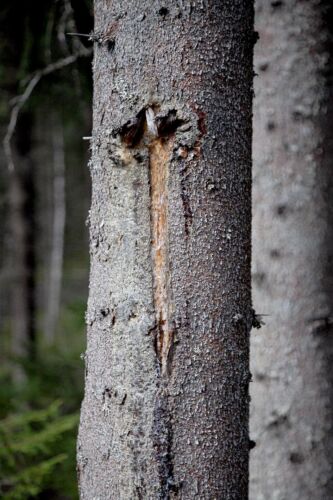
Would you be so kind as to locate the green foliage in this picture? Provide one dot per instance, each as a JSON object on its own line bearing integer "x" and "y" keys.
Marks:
{"x": 37, "y": 433}
{"x": 34, "y": 452}
{"x": 39, "y": 418}
{"x": 29, "y": 483}
{"x": 56, "y": 374}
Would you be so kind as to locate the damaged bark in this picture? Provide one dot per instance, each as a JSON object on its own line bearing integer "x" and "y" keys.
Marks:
{"x": 159, "y": 157}
{"x": 165, "y": 413}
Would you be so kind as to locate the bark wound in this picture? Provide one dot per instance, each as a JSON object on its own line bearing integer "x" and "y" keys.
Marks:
{"x": 156, "y": 131}
{"x": 160, "y": 150}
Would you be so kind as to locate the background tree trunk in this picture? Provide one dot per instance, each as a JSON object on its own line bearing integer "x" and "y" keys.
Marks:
{"x": 292, "y": 248}
{"x": 22, "y": 218}
{"x": 58, "y": 230}
{"x": 165, "y": 413}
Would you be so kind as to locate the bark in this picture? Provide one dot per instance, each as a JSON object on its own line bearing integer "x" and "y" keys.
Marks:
{"x": 291, "y": 418}
{"x": 58, "y": 231}
{"x": 165, "y": 413}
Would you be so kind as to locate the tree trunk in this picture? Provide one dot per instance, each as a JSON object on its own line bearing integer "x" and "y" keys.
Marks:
{"x": 292, "y": 248}
{"x": 22, "y": 219}
{"x": 165, "y": 413}
{"x": 58, "y": 231}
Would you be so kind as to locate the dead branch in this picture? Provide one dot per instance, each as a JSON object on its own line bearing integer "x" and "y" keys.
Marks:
{"x": 20, "y": 100}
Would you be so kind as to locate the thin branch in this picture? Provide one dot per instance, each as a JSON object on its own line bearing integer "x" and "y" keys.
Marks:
{"x": 85, "y": 35}
{"x": 22, "y": 99}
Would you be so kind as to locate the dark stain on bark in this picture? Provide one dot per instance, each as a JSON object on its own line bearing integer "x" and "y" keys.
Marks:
{"x": 167, "y": 124}
{"x": 279, "y": 421}
{"x": 131, "y": 132}
{"x": 163, "y": 11}
{"x": 202, "y": 123}
{"x": 252, "y": 444}
{"x": 255, "y": 37}
{"x": 184, "y": 193}
{"x": 256, "y": 320}
{"x": 321, "y": 324}
{"x": 163, "y": 440}
{"x": 296, "y": 457}
{"x": 271, "y": 126}
{"x": 281, "y": 210}
{"x": 276, "y": 3}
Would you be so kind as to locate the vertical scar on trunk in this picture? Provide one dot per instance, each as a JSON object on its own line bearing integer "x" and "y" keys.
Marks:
{"x": 160, "y": 151}
{"x": 156, "y": 131}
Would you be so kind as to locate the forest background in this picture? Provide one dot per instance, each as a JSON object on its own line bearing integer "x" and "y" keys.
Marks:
{"x": 45, "y": 123}
{"x": 44, "y": 251}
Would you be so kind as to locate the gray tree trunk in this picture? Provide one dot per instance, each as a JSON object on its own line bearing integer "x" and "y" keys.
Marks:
{"x": 58, "y": 231}
{"x": 291, "y": 358}
{"x": 165, "y": 413}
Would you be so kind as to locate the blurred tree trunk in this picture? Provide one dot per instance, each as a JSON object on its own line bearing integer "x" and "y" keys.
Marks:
{"x": 293, "y": 253}
{"x": 165, "y": 413}
{"x": 23, "y": 262}
{"x": 58, "y": 230}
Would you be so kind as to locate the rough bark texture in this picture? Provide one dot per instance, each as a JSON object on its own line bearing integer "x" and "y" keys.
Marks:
{"x": 165, "y": 413}
{"x": 291, "y": 418}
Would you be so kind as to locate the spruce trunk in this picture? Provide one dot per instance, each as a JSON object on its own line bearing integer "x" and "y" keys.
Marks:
{"x": 292, "y": 358}
{"x": 165, "y": 413}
